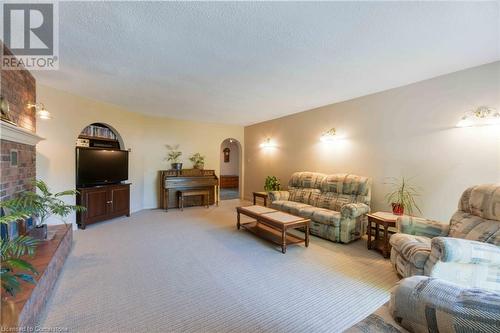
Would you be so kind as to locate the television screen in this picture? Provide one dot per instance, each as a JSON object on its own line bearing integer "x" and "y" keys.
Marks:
{"x": 100, "y": 166}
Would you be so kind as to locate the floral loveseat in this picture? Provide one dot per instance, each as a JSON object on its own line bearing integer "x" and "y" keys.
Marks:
{"x": 466, "y": 252}
{"x": 336, "y": 204}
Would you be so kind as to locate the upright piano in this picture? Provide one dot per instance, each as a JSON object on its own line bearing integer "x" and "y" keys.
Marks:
{"x": 172, "y": 181}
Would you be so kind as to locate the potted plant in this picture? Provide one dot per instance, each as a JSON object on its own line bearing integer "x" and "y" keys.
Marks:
{"x": 173, "y": 157}
{"x": 14, "y": 270}
{"x": 198, "y": 161}
{"x": 272, "y": 184}
{"x": 402, "y": 197}
{"x": 42, "y": 204}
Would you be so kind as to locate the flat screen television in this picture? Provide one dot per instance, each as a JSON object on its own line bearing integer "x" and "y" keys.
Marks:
{"x": 100, "y": 166}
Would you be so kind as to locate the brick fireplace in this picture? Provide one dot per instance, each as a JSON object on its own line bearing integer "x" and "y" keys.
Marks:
{"x": 17, "y": 143}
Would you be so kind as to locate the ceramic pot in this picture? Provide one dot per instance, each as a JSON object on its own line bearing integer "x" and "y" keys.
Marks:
{"x": 398, "y": 209}
{"x": 176, "y": 166}
{"x": 39, "y": 232}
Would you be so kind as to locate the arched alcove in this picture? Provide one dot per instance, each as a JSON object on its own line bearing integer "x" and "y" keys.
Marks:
{"x": 230, "y": 169}
{"x": 100, "y": 135}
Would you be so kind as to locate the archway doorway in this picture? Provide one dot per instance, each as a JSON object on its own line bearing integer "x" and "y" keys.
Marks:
{"x": 230, "y": 155}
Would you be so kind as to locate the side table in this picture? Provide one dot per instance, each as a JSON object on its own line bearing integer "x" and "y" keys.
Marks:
{"x": 262, "y": 195}
{"x": 376, "y": 221}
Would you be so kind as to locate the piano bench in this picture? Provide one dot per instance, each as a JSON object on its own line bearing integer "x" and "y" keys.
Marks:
{"x": 190, "y": 193}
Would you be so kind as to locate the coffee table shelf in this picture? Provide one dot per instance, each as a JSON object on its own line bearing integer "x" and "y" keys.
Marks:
{"x": 270, "y": 234}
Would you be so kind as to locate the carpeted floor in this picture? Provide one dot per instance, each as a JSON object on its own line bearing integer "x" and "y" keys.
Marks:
{"x": 192, "y": 271}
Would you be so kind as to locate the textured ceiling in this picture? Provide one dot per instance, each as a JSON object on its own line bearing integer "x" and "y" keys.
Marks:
{"x": 245, "y": 62}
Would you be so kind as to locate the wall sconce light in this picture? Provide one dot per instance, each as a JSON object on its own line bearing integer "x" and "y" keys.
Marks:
{"x": 482, "y": 116}
{"x": 329, "y": 136}
{"x": 267, "y": 144}
{"x": 41, "y": 112}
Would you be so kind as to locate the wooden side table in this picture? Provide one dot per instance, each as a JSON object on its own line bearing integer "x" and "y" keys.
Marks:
{"x": 375, "y": 222}
{"x": 262, "y": 195}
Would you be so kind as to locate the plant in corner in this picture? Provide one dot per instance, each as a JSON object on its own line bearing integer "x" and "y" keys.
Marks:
{"x": 402, "y": 197}
{"x": 14, "y": 270}
{"x": 272, "y": 184}
{"x": 173, "y": 157}
{"x": 42, "y": 204}
{"x": 198, "y": 161}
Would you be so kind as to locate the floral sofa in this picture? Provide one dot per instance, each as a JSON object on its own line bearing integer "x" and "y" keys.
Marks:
{"x": 336, "y": 204}
{"x": 422, "y": 304}
{"x": 466, "y": 252}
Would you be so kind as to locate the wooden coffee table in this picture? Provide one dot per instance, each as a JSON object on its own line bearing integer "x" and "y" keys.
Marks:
{"x": 272, "y": 225}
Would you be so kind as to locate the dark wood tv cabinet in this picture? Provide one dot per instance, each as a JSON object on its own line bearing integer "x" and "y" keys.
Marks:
{"x": 103, "y": 202}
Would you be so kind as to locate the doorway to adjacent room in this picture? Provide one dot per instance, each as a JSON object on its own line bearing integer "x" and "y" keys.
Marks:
{"x": 230, "y": 151}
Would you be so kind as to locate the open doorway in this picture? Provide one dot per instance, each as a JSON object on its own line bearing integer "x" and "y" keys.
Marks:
{"x": 230, "y": 151}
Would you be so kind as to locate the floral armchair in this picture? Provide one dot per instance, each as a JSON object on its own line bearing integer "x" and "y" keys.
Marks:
{"x": 466, "y": 252}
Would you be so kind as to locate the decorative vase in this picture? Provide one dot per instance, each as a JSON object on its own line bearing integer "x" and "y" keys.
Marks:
{"x": 176, "y": 166}
{"x": 39, "y": 232}
{"x": 398, "y": 209}
{"x": 10, "y": 316}
{"x": 199, "y": 166}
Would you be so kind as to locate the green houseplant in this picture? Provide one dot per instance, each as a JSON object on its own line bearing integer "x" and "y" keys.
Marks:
{"x": 173, "y": 156}
{"x": 272, "y": 184}
{"x": 14, "y": 269}
{"x": 42, "y": 204}
{"x": 198, "y": 161}
{"x": 402, "y": 196}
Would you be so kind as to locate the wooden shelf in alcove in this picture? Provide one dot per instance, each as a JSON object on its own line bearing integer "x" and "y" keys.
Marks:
{"x": 96, "y": 138}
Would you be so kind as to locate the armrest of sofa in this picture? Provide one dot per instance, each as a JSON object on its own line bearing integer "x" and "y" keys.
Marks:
{"x": 418, "y": 226}
{"x": 464, "y": 251}
{"x": 278, "y": 195}
{"x": 424, "y": 304}
{"x": 354, "y": 210}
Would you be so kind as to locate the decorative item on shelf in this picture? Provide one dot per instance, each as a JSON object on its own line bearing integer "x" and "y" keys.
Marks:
{"x": 5, "y": 110}
{"x": 329, "y": 136}
{"x": 173, "y": 156}
{"x": 41, "y": 206}
{"x": 482, "y": 116}
{"x": 268, "y": 144}
{"x": 41, "y": 112}
{"x": 271, "y": 184}
{"x": 402, "y": 197}
{"x": 227, "y": 153}
{"x": 198, "y": 161}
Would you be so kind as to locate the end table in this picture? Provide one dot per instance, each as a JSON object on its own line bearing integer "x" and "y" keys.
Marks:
{"x": 262, "y": 195}
{"x": 375, "y": 222}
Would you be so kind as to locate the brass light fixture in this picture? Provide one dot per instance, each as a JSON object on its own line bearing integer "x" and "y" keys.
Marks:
{"x": 268, "y": 144}
{"x": 329, "y": 136}
{"x": 41, "y": 112}
{"x": 482, "y": 116}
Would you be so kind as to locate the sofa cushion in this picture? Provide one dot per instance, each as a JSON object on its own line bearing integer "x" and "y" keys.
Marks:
{"x": 414, "y": 249}
{"x": 306, "y": 179}
{"x": 346, "y": 184}
{"x": 325, "y": 216}
{"x": 299, "y": 194}
{"x": 468, "y": 226}
{"x": 334, "y": 201}
{"x": 293, "y": 207}
{"x": 277, "y": 204}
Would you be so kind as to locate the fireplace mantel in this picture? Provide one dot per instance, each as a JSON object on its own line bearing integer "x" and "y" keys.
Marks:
{"x": 18, "y": 134}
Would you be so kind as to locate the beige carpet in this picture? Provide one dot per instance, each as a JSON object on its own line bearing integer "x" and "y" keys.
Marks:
{"x": 192, "y": 271}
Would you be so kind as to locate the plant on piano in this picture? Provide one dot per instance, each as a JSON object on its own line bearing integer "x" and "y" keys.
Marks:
{"x": 272, "y": 184}
{"x": 198, "y": 161}
{"x": 173, "y": 156}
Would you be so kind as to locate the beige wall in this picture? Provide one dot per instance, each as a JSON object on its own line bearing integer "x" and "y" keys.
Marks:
{"x": 145, "y": 136}
{"x": 232, "y": 167}
{"x": 406, "y": 131}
